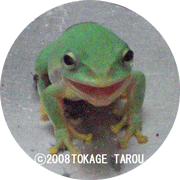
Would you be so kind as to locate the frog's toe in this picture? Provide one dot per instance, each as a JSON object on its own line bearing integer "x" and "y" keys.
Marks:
{"x": 117, "y": 127}
{"x": 141, "y": 138}
{"x": 63, "y": 139}
{"x": 129, "y": 133}
{"x": 114, "y": 129}
{"x": 53, "y": 150}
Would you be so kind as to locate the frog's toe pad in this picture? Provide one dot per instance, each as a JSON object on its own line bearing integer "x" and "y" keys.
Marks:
{"x": 142, "y": 139}
{"x": 53, "y": 150}
{"x": 114, "y": 129}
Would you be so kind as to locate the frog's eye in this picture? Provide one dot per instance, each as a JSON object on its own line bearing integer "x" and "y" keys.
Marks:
{"x": 127, "y": 56}
{"x": 69, "y": 60}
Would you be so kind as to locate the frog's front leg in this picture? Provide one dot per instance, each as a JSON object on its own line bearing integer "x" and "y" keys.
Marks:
{"x": 53, "y": 102}
{"x": 132, "y": 110}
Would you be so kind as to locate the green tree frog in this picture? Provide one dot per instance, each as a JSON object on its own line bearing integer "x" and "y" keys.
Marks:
{"x": 91, "y": 63}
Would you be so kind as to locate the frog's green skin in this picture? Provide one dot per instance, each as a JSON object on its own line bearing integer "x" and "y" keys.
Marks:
{"x": 89, "y": 62}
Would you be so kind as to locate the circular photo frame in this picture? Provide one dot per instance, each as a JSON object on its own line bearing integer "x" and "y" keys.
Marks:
{"x": 90, "y": 90}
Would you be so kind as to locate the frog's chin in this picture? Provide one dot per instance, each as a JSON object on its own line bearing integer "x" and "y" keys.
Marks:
{"x": 100, "y": 96}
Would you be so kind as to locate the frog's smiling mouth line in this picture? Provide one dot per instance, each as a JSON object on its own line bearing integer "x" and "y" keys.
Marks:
{"x": 102, "y": 95}
{"x": 98, "y": 91}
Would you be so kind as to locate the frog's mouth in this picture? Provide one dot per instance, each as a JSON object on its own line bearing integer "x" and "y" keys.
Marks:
{"x": 100, "y": 95}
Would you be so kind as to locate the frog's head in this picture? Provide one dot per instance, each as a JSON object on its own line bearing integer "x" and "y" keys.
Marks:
{"x": 94, "y": 61}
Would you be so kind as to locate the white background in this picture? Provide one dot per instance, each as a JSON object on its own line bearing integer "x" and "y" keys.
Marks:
{"x": 16, "y": 15}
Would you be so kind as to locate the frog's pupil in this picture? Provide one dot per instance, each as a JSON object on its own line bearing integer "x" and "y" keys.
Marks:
{"x": 128, "y": 56}
{"x": 68, "y": 60}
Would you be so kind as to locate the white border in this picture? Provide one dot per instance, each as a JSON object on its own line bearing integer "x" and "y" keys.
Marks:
{"x": 16, "y": 15}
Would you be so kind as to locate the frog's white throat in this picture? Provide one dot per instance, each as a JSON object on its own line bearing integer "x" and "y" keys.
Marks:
{"x": 99, "y": 96}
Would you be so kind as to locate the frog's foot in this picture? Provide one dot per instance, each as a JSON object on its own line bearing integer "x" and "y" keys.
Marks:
{"x": 115, "y": 128}
{"x": 129, "y": 133}
{"x": 53, "y": 149}
{"x": 63, "y": 139}
{"x": 76, "y": 135}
